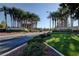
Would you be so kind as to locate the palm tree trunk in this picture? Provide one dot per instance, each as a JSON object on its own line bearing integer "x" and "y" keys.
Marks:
{"x": 55, "y": 23}
{"x": 65, "y": 22}
{"x": 26, "y": 23}
{"x": 5, "y": 18}
{"x": 36, "y": 25}
{"x": 21, "y": 23}
{"x": 17, "y": 24}
{"x": 78, "y": 22}
{"x": 71, "y": 21}
{"x": 11, "y": 20}
{"x": 13, "y": 23}
{"x": 50, "y": 24}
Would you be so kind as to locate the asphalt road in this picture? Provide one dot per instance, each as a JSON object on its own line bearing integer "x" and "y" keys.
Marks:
{"x": 7, "y": 45}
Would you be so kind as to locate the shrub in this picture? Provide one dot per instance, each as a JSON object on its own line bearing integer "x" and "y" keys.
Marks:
{"x": 1, "y": 26}
{"x": 45, "y": 35}
{"x": 41, "y": 38}
{"x": 34, "y": 49}
{"x": 35, "y": 46}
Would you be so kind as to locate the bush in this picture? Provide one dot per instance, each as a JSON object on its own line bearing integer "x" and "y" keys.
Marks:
{"x": 35, "y": 46}
{"x": 34, "y": 49}
{"x": 35, "y": 40}
{"x": 42, "y": 35}
{"x": 40, "y": 38}
{"x": 1, "y": 26}
{"x": 45, "y": 35}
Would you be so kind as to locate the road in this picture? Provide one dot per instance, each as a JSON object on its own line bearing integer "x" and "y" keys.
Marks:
{"x": 7, "y": 45}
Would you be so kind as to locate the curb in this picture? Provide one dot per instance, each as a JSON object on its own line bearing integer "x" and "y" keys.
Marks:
{"x": 54, "y": 49}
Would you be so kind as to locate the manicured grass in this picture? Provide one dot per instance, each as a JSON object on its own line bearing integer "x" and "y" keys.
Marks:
{"x": 66, "y": 43}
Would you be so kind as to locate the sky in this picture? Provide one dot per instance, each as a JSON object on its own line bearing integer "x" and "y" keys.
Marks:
{"x": 38, "y": 8}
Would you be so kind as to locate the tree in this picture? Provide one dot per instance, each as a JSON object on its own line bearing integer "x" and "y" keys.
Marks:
{"x": 55, "y": 17}
{"x": 4, "y": 9}
{"x": 64, "y": 14}
{"x": 73, "y": 10}
{"x": 35, "y": 18}
{"x": 10, "y": 12}
{"x": 19, "y": 17}
{"x": 52, "y": 16}
{"x": 59, "y": 17}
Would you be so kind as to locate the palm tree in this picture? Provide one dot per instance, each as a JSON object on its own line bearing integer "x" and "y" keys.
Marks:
{"x": 64, "y": 12}
{"x": 55, "y": 17}
{"x": 5, "y": 14}
{"x": 60, "y": 15}
{"x": 14, "y": 15}
{"x": 4, "y": 9}
{"x": 10, "y": 12}
{"x": 19, "y": 13}
{"x": 19, "y": 16}
{"x": 35, "y": 19}
{"x": 52, "y": 16}
{"x": 24, "y": 18}
{"x": 73, "y": 11}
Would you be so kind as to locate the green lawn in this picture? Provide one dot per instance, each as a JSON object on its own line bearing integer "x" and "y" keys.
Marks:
{"x": 66, "y": 43}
